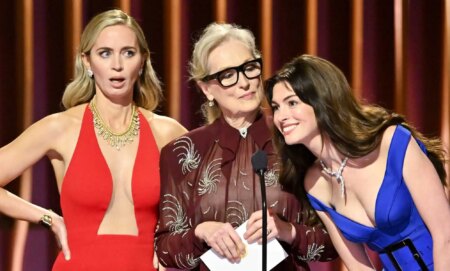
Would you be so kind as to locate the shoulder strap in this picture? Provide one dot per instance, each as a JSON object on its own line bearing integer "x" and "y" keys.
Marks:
{"x": 397, "y": 150}
{"x": 317, "y": 204}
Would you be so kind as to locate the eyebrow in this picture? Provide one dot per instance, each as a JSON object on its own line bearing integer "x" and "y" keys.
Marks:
{"x": 284, "y": 100}
{"x": 288, "y": 97}
{"x": 122, "y": 49}
{"x": 229, "y": 67}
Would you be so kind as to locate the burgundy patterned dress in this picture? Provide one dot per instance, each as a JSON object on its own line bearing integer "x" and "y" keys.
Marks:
{"x": 207, "y": 175}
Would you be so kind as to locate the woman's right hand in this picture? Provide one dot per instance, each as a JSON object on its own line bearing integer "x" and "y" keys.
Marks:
{"x": 59, "y": 229}
{"x": 222, "y": 238}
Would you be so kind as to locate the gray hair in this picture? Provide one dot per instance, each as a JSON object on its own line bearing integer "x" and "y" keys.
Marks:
{"x": 214, "y": 35}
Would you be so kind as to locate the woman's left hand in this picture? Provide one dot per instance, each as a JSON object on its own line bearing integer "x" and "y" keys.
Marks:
{"x": 276, "y": 228}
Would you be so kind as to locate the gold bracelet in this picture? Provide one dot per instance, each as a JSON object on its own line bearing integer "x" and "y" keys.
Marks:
{"x": 46, "y": 220}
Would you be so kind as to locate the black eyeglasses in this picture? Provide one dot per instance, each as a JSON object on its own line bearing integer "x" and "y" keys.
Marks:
{"x": 230, "y": 76}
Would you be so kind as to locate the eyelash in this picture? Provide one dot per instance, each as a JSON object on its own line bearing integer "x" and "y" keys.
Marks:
{"x": 104, "y": 54}
{"x": 292, "y": 103}
{"x": 130, "y": 53}
{"x": 107, "y": 53}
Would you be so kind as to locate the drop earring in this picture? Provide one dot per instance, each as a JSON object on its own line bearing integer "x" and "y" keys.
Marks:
{"x": 211, "y": 103}
{"x": 90, "y": 73}
{"x": 140, "y": 72}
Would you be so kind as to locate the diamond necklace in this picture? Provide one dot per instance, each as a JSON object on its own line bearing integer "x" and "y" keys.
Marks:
{"x": 116, "y": 140}
{"x": 337, "y": 174}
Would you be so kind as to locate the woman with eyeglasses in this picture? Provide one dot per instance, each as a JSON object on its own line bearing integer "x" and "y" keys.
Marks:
{"x": 208, "y": 185}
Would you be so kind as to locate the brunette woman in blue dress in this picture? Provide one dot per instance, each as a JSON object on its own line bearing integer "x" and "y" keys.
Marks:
{"x": 372, "y": 178}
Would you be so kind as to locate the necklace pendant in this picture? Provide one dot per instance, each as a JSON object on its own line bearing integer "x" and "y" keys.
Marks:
{"x": 336, "y": 174}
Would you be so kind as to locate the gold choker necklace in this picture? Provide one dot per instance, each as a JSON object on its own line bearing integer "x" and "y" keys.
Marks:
{"x": 114, "y": 139}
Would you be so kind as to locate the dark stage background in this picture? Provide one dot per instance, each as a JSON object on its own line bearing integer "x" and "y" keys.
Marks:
{"x": 394, "y": 52}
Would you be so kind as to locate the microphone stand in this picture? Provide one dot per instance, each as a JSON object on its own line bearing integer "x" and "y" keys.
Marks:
{"x": 260, "y": 173}
{"x": 259, "y": 163}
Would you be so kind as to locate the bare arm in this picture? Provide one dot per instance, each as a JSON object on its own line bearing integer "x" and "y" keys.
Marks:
{"x": 165, "y": 129}
{"x": 429, "y": 197}
{"x": 352, "y": 254}
{"x": 34, "y": 143}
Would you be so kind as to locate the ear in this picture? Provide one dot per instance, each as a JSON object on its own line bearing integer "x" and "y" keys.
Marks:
{"x": 204, "y": 88}
{"x": 86, "y": 60}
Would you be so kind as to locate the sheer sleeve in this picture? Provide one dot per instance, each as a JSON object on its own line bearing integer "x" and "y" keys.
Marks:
{"x": 312, "y": 243}
{"x": 175, "y": 242}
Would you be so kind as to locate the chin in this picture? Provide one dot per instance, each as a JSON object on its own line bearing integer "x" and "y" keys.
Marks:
{"x": 249, "y": 108}
{"x": 291, "y": 141}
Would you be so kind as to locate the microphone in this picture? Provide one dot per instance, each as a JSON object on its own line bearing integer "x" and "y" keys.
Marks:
{"x": 259, "y": 163}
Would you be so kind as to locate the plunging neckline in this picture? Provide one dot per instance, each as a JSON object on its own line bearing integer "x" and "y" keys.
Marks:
{"x": 111, "y": 180}
{"x": 377, "y": 198}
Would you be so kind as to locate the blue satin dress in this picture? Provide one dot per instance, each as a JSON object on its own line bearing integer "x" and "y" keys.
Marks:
{"x": 400, "y": 236}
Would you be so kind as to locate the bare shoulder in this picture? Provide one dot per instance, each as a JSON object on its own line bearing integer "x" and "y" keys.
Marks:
{"x": 317, "y": 185}
{"x": 165, "y": 129}
{"x": 387, "y": 135}
{"x": 49, "y": 135}
{"x": 63, "y": 122}
{"x": 63, "y": 128}
{"x": 54, "y": 125}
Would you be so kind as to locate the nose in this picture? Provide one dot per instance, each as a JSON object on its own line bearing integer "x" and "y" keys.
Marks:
{"x": 243, "y": 81}
{"x": 117, "y": 64}
{"x": 281, "y": 114}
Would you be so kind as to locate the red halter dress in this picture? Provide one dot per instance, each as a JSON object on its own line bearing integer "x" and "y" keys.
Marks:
{"x": 85, "y": 196}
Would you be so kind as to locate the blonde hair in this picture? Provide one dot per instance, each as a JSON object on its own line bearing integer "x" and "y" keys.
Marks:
{"x": 147, "y": 91}
{"x": 212, "y": 36}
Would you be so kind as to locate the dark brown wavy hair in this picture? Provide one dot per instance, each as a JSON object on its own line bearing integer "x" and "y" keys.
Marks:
{"x": 354, "y": 128}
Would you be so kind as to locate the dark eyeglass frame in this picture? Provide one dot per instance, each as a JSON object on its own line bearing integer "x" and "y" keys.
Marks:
{"x": 238, "y": 69}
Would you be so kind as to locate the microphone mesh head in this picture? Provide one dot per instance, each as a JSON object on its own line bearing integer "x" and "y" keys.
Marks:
{"x": 259, "y": 160}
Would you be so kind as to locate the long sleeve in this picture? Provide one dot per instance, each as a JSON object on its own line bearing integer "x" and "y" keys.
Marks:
{"x": 312, "y": 243}
{"x": 175, "y": 242}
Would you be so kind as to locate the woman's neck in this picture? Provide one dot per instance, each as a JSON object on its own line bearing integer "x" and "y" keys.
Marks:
{"x": 243, "y": 121}
{"x": 117, "y": 116}
{"x": 325, "y": 150}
